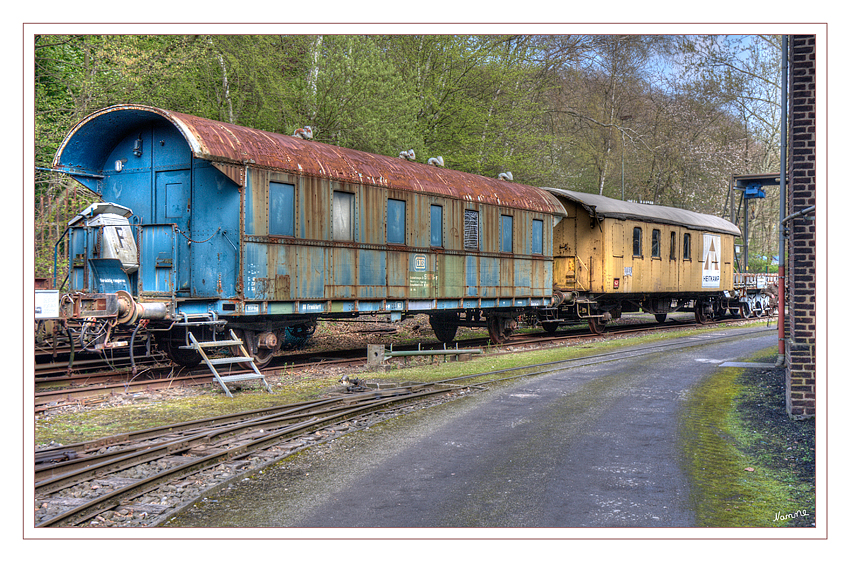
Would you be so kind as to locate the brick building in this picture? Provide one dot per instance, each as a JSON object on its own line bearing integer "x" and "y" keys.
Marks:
{"x": 800, "y": 266}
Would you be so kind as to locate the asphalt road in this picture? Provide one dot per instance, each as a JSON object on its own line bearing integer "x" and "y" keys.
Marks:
{"x": 591, "y": 446}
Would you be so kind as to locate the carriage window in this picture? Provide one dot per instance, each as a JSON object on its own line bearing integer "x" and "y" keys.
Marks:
{"x": 637, "y": 242}
{"x": 395, "y": 221}
{"x": 656, "y": 243}
{"x": 281, "y": 209}
{"x": 436, "y": 225}
{"x": 343, "y": 215}
{"x": 470, "y": 230}
{"x": 506, "y": 239}
{"x": 536, "y": 237}
{"x": 686, "y": 247}
{"x": 672, "y": 245}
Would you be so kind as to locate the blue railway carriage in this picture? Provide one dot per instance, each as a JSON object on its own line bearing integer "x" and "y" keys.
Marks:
{"x": 615, "y": 256}
{"x": 208, "y": 225}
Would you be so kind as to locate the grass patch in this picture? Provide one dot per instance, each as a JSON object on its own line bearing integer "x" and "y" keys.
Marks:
{"x": 297, "y": 386}
{"x": 749, "y": 464}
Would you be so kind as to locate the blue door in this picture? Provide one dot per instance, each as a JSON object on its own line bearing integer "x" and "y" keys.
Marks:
{"x": 173, "y": 206}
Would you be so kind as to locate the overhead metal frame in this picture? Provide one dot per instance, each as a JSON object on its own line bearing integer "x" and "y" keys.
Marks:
{"x": 750, "y": 186}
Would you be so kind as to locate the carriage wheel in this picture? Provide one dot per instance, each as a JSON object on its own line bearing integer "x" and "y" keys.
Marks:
{"x": 262, "y": 355}
{"x": 596, "y": 325}
{"x": 444, "y": 326}
{"x": 550, "y": 327}
{"x": 296, "y": 337}
{"x": 660, "y": 318}
{"x": 500, "y": 328}
{"x": 700, "y": 314}
{"x": 184, "y": 357}
{"x": 746, "y": 311}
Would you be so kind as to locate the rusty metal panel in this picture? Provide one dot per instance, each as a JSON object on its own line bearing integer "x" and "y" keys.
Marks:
{"x": 452, "y": 217}
{"x": 371, "y": 274}
{"x": 489, "y": 276}
{"x": 313, "y": 200}
{"x": 256, "y": 203}
{"x": 506, "y": 278}
{"x": 311, "y": 272}
{"x": 397, "y": 275}
{"x": 422, "y": 276}
{"x": 371, "y": 221}
{"x": 471, "y": 276}
{"x": 344, "y": 269}
{"x": 522, "y": 276}
{"x": 237, "y": 145}
{"x": 280, "y": 276}
{"x": 450, "y": 275}
{"x": 419, "y": 220}
{"x": 489, "y": 228}
{"x": 236, "y": 172}
{"x": 541, "y": 277}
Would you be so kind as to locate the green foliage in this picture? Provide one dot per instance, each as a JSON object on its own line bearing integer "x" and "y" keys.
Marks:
{"x": 763, "y": 264}
{"x": 663, "y": 119}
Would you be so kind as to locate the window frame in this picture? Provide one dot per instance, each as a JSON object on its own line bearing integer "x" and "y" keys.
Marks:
{"x": 534, "y": 237}
{"x": 287, "y": 197}
{"x": 673, "y": 245}
{"x": 637, "y": 242}
{"x": 346, "y": 196}
{"x": 395, "y": 227}
{"x": 468, "y": 213}
{"x": 506, "y": 221}
{"x": 655, "y": 248}
{"x": 439, "y": 230}
{"x": 686, "y": 246}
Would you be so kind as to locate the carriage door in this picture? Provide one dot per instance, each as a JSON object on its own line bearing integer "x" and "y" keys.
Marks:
{"x": 616, "y": 275}
{"x": 173, "y": 205}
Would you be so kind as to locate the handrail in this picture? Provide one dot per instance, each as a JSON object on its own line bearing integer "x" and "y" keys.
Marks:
{"x": 578, "y": 282}
{"x": 55, "y": 260}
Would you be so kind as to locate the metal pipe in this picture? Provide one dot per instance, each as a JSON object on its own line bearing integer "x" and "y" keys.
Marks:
{"x": 783, "y": 162}
{"x": 476, "y": 351}
{"x": 55, "y": 256}
{"x": 798, "y": 214}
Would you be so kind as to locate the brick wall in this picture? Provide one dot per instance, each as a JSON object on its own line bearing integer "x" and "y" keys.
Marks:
{"x": 800, "y": 267}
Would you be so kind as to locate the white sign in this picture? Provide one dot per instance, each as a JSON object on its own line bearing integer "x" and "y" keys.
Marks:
{"x": 711, "y": 261}
{"x": 46, "y": 304}
{"x": 420, "y": 262}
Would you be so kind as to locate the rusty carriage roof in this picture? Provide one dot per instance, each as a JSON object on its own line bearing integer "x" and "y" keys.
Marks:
{"x": 242, "y": 146}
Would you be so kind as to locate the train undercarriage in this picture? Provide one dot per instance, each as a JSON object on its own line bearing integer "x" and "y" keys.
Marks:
{"x": 103, "y": 321}
{"x": 599, "y": 310}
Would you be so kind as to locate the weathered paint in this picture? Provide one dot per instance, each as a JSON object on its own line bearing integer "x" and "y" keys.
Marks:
{"x": 598, "y": 256}
{"x": 236, "y": 145}
{"x": 200, "y": 191}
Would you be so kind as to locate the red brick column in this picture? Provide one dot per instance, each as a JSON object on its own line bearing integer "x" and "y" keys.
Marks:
{"x": 800, "y": 345}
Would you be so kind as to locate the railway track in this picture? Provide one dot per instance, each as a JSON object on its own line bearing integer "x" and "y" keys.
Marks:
{"x": 136, "y": 477}
{"x": 145, "y": 477}
{"x": 80, "y": 388}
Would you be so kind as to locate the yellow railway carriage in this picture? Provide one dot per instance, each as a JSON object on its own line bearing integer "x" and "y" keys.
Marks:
{"x": 613, "y": 256}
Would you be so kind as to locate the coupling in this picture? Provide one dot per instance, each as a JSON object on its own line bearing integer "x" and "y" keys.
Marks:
{"x": 130, "y": 311}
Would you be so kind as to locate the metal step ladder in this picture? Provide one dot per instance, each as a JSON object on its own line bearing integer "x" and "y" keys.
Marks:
{"x": 245, "y": 357}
